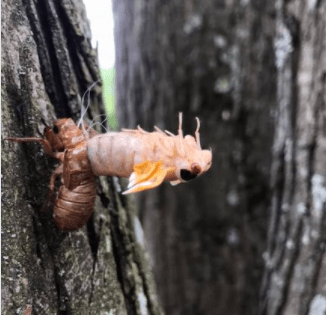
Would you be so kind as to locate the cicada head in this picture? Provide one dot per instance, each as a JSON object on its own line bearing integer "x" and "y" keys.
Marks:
{"x": 192, "y": 166}
{"x": 192, "y": 161}
{"x": 64, "y": 134}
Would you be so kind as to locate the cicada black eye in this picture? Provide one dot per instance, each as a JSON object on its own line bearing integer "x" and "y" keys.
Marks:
{"x": 187, "y": 175}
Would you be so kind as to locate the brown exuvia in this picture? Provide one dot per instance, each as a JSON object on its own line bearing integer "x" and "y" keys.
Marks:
{"x": 74, "y": 202}
{"x": 147, "y": 158}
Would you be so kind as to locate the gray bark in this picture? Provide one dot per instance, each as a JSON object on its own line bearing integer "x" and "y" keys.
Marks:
{"x": 214, "y": 60}
{"x": 47, "y": 65}
{"x": 295, "y": 277}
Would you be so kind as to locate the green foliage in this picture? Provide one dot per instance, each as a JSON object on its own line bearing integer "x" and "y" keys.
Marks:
{"x": 108, "y": 77}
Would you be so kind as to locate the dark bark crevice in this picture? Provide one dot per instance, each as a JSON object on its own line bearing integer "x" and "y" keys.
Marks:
{"x": 63, "y": 62}
{"x": 42, "y": 24}
{"x": 126, "y": 250}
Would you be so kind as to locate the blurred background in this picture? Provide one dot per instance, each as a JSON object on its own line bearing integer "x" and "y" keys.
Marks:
{"x": 100, "y": 16}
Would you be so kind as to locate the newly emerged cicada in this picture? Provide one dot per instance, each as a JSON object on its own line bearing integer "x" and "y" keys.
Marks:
{"x": 149, "y": 158}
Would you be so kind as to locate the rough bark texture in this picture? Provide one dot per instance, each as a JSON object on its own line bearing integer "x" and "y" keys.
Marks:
{"x": 295, "y": 279}
{"x": 214, "y": 60}
{"x": 47, "y": 65}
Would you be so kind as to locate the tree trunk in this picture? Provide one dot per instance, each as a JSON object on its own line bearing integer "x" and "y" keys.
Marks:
{"x": 47, "y": 65}
{"x": 295, "y": 277}
{"x": 214, "y": 60}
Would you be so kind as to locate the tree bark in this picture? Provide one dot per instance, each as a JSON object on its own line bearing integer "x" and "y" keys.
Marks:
{"x": 295, "y": 277}
{"x": 214, "y": 60}
{"x": 47, "y": 65}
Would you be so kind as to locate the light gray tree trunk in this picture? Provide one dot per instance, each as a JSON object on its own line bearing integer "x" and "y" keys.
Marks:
{"x": 47, "y": 65}
{"x": 295, "y": 277}
{"x": 215, "y": 60}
